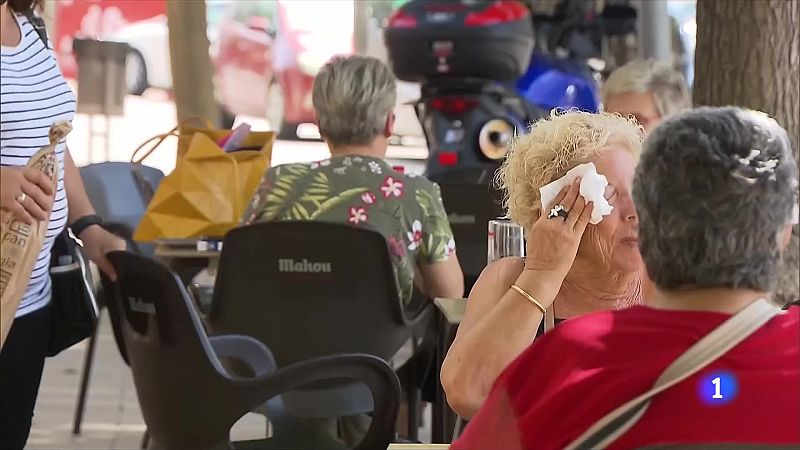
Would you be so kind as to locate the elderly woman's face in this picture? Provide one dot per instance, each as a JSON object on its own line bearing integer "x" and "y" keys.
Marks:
{"x": 613, "y": 242}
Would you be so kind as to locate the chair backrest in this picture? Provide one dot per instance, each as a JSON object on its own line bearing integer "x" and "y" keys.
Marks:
{"x": 114, "y": 314}
{"x": 470, "y": 207}
{"x": 309, "y": 289}
{"x": 175, "y": 371}
{"x": 115, "y": 192}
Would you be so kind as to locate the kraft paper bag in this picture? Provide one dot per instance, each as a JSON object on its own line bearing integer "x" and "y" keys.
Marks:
{"x": 206, "y": 194}
{"x": 21, "y": 243}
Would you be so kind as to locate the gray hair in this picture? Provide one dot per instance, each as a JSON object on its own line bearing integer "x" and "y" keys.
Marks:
{"x": 352, "y": 97}
{"x": 714, "y": 189}
{"x": 670, "y": 92}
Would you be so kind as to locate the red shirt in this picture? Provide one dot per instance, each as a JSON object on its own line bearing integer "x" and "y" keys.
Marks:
{"x": 586, "y": 367}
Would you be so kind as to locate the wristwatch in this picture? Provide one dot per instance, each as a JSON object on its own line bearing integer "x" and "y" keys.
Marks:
{"x": 85, "y": 222}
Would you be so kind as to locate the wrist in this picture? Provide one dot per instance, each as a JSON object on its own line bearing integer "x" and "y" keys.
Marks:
{"x": 541, "y": 285}
{"x": 85, "y": 223}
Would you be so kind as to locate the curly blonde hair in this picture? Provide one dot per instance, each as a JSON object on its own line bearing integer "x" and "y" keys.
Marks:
{"x": 555, "y": 145}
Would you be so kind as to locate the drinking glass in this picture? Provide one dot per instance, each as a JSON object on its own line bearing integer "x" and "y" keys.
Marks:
{"x": 506, "y": 238}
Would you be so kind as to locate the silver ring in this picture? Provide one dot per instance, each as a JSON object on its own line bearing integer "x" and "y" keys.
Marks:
{"x": 558, "y": 211}
{"x": 22, "y": 197}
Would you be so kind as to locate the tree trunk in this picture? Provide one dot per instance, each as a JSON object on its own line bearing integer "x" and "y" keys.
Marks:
{"x": 748, "y": 54}
{"x": 192, "y": 71}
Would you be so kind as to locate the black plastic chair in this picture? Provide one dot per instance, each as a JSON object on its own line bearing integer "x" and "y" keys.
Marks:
{"x": 470, "y": 207}
{"x": 310, "y": 289}
{"x": 119, "y": 192}
{"x": 188, "y": 398}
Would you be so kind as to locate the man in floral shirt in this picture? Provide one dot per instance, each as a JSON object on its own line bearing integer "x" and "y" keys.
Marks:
{"x": 353, "y": 98}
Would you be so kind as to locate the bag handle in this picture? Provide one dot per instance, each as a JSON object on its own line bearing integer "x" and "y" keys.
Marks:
{"x": 238, "y": 206}
{"x": 705, "y": 351}
{"x": 175, "y": 131}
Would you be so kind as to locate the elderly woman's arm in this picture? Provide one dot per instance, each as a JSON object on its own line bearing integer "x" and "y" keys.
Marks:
{"x": 501, "y": 322}
{"x": 498, "y": 325}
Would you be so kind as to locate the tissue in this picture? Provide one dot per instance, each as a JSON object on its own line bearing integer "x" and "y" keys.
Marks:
{"x": 593, "y": 188}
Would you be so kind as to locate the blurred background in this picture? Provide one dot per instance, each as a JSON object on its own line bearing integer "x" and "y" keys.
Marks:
{"x": 275, "y": 48}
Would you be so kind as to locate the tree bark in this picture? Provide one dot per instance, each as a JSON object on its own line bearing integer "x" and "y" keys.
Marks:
{"x": 192, "y": 71}
{"x": 748, "y": 54}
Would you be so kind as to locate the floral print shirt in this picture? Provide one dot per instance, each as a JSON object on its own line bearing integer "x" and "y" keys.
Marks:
{"x": 363, "y": 192}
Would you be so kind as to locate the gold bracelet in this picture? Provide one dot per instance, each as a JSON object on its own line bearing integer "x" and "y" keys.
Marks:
{"x": 529, "y": 297}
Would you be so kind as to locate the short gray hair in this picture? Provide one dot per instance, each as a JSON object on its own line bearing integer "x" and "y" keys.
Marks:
{"x": 714, "y": 189}
{"x": 670, "y": 92}
{"x": 352, "y": 97}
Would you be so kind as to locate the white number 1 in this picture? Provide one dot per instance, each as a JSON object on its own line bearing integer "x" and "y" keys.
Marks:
{"x": 717, "y": 383}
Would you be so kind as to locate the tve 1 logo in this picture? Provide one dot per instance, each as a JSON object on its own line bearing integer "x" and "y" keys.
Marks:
{"x": 718, "y": 388}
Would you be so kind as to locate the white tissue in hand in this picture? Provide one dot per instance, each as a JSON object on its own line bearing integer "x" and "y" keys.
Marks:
{"x": 593, "y": 188}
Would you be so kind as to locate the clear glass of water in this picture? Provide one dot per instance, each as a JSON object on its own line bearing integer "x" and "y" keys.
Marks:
{"x": 506, "y": 238}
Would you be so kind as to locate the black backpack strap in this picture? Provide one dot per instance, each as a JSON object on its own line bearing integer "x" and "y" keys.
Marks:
{"x": 38, "y": 25}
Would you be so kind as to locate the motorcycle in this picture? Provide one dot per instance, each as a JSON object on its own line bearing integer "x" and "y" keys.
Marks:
{"x": 467, "y": 55}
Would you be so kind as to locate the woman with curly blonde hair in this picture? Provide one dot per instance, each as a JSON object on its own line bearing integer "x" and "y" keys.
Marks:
{"x": 572, "y": 267}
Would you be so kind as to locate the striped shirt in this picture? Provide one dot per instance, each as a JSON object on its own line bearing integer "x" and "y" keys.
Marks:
{"x": 34, "y": 95}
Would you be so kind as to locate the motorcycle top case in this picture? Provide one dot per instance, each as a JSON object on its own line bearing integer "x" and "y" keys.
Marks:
{"x": 430, "y": 39}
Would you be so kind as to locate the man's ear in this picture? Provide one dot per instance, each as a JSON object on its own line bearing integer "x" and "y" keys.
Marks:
{"x": 388, "y": 129}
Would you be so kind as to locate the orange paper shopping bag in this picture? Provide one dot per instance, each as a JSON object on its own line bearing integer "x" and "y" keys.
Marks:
{"x": 206, "y": 194}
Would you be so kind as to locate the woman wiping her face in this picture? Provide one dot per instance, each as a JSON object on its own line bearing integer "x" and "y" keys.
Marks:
{"x": 568, "y": 184}
{"x": 710, "y": 361}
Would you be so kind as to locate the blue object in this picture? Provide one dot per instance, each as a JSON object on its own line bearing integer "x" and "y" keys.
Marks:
{"x": 559, "y": 83}
{"x": 718, "y": 388}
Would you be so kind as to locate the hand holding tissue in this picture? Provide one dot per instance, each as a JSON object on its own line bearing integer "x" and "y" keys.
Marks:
{"x": 593, "y": 187}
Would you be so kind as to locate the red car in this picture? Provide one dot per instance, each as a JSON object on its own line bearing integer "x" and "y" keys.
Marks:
{"x": 269, "y": 52}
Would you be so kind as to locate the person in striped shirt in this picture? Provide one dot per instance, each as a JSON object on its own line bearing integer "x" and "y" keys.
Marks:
{"x": 33, "y": 96}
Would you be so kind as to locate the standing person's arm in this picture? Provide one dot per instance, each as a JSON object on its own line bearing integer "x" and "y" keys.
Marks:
{"x": 97, "y": 242}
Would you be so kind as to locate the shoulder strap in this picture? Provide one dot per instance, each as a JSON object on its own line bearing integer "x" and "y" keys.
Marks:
{"x": 550, "y": 317}
{"x": 702, "y": 353}
{"x": 38, "y": 24}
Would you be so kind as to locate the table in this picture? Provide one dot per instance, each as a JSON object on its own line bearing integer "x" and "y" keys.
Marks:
{"x": 187, "y": 258}
{"x": 451, "y": 312}
{"x": 176, "y": 249}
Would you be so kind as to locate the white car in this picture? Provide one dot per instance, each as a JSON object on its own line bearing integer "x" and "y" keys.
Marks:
{"x": 148, "y": 63}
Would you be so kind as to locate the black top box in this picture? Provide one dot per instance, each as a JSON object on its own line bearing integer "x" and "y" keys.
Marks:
{"x": 430, "y": 39}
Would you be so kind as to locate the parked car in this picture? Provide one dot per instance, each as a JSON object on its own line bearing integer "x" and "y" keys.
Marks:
{"x": 147, "y": 64}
